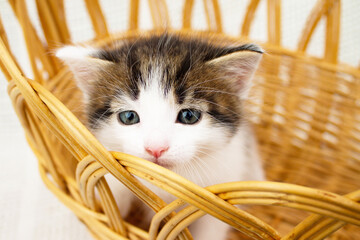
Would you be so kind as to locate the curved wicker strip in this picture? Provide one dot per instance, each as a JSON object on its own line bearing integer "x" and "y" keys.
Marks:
{"x": 274, "y": 25}
{"x": 159, "y": 14}
{"x": 173, "y": 228}
{"x": 86, "y": 214}
{"x": 189, "y": 216}
{"x": 133, "y": 16}
{"x": 82, "y": 178}
{"x": 187, "y": 14}
{"x": 317, "y": 224}
{"x": 110, "y": 207}
{"x": 318, "y": 11}
{"x": 97, "y": 18}
{"x": 249, "y": 17}
{"x": 93, "y": 175}
{"x": 162, "y": 214}
{"x": 90, "y": 185}
{"x": 213, "y": 15}
{"x": 89, "y": 172}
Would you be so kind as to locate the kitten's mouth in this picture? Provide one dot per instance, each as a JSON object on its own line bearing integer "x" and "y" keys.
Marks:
{"x": 162, "y": 162}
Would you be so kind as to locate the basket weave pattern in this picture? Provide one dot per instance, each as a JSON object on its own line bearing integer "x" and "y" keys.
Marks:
{"x": 306, "y": 113}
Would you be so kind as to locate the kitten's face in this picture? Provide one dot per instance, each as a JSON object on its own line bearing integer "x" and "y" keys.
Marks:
{"x": 169, "y": 100}
{"x": 164, "y": 131}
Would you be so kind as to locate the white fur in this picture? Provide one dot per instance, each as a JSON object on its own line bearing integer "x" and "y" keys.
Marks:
{"x": 82, "y": 64}
{"x": 75, "y": 52}
{"x": 201, "y": 152}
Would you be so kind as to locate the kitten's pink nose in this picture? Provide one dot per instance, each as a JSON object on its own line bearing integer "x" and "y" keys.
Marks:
{"x": 156, "y": 151}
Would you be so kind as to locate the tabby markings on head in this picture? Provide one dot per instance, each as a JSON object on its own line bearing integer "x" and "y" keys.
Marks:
{"x": 183, "y": 70}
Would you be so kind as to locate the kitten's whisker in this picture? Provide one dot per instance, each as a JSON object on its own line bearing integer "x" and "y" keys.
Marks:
{"x": 192, "y": 170}
{"x": 206, "y": 171}
{"x": 100, "y": 118}
{"x": 204, "y": 163}
{"x": 205, "y": 153}
{"x": 131, "y": 47}
{"x": 198, "y": 172}
{"x": 216, "y": 159}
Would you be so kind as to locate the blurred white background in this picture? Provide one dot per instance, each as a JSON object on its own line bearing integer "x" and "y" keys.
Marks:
{"x": 28, "y": 209}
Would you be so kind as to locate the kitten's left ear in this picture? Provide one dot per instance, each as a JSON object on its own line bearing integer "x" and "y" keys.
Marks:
{"x": 238, "y": 65}
{"x": 84, "y": 64}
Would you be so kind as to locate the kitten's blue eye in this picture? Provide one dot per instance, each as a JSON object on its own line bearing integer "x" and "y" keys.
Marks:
{"x": 129, "y": 117}
{"x": 188, "y": 116}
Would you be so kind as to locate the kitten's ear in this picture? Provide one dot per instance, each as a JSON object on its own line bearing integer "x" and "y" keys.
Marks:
{"x": 83, "y": 63}
{"x": 238, "y": 66}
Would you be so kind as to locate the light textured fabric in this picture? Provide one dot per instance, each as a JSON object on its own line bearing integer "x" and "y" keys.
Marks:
{"x": 28, "y": 209}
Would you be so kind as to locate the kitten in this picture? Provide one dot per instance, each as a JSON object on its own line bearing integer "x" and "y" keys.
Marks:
{"x": 176, "y": 101}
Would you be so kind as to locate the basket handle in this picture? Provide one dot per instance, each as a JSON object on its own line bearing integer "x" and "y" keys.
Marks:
{"x": 212, "y": 13}
{"x": 36, "y": 49}
{"x": 97, "y": 18}
{"x": 273, "y": 23}
{"x": 159, "y": 14}
{"x": 4, "y": 39}
{"x": 249, "y": 17}
{"x": 134, "y": 15}
{"x": 52, "y": 18}
{"x": 331, "y": 10}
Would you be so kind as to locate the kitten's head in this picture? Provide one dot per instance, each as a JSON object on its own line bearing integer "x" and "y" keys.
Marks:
{"x": 168, "y": 99}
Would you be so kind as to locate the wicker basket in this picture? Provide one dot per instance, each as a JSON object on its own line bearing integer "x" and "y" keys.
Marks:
{"x": 307, "y": 118}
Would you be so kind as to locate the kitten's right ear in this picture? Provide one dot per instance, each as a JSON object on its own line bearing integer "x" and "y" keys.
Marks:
{"x": 238, "y": 65}
{"x": 83, "y": 63}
